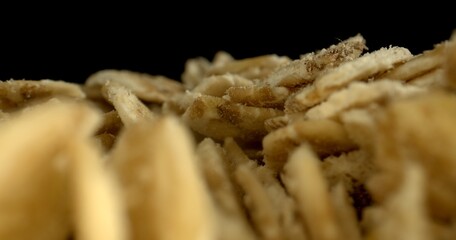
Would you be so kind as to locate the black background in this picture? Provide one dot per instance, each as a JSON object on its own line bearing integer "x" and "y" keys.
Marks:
{"x": 55, "y": 46}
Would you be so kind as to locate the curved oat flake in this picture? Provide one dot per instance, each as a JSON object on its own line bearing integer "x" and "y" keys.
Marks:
{"x": 418, "y": 64}
{"x": 326, "y": 137}
{"x": 359, "y": 69}
{"x": 217, "y": 85}
{"x": 219, "y": 118}
{"x": 304, "y": 70}
{"x": 251, "y": 68}
{"x": 16, "y": 94}
{"x": 146, "y": 87}
{"x": 258, "y": 96}
{"x": 361, "y": 94}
